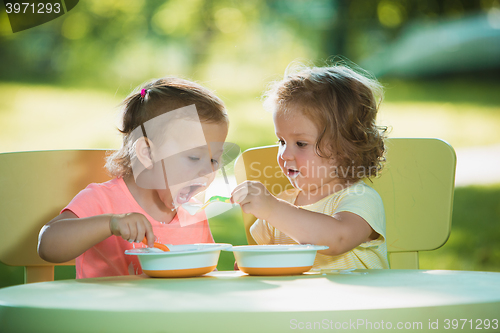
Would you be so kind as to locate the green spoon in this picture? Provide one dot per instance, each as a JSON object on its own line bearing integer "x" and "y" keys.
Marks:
{"x": 192, "y": 209}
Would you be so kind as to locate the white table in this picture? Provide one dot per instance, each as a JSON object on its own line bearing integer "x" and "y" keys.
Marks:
{"x": 362, "y": 300}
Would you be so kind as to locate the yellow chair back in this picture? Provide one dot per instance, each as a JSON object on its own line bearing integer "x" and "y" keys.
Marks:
{"x": 34, "y": 187}
{"x": 416, "y": 186}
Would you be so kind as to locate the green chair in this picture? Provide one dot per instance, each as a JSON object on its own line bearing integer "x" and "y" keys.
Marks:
{"x": 34, "y": 187}
{"x": 416, "y": 186}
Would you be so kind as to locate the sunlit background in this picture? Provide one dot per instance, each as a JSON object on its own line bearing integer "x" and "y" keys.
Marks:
{"x": 61, "y": 83}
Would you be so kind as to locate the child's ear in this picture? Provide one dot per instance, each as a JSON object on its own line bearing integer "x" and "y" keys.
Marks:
{"x": 143, "y": 150}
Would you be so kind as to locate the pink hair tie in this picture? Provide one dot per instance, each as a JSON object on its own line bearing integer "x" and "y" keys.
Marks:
{"x": 143, "y": 93}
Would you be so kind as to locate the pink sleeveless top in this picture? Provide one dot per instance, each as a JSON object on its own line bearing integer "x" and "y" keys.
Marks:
{"x": 107, "y": 258}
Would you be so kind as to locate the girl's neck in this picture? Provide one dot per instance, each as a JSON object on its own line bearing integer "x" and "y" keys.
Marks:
{"x": 307, "y": 197}
{"x": 149, "y": 200}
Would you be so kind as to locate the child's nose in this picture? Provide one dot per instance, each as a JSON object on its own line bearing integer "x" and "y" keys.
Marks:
{"x": 206, "y": 169}
{"x": 286, "y": 154}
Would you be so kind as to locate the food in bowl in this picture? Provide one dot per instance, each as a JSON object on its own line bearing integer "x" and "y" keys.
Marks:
{"x": 181, "y": 261}
{"x": 275, "y": 259}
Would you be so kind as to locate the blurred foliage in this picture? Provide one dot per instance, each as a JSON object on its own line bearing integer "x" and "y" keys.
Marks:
{"x": 124, "y": 42}
{"x": 472, "y": 91}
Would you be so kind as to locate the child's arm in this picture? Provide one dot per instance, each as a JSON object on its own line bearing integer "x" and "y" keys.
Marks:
{"x": 67, "y": 236}
{"x": 341, "y": 232}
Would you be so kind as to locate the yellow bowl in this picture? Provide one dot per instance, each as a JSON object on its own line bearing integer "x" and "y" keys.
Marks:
{"x": 181, "y": 261}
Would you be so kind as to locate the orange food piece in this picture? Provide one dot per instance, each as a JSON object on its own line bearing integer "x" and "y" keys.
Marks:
{"x": 157, "y": 245}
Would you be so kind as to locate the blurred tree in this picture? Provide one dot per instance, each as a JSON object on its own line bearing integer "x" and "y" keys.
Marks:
{"x": 134, "y": 39}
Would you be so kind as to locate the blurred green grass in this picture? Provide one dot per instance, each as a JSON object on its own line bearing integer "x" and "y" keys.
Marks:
{"x": 52, "y": 117}
{"x": 475, "y": 231}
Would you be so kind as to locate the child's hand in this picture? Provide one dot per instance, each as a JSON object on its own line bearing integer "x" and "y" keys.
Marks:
{"x": 132, "y": 227}
{"x": 254, "y": 198}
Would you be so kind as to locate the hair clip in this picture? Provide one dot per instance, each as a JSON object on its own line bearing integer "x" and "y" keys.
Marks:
{"x": 143, "y": 93}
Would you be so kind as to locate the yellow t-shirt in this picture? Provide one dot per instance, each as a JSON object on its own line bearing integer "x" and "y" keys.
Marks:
{"x": 359, "y": 199}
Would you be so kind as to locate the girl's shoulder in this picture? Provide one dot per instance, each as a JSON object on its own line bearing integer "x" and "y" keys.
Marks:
{"x": 357, "y": 191}
{"x": 103, "y": 198}
{"x": 115, "y": 184}
{"x": 114, "y": 188}
{"x": 361, "y": 189}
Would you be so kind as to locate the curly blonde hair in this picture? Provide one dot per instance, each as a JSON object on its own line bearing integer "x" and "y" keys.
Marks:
{"x": 343, "y": 104}
{"x": 156, "y": 98}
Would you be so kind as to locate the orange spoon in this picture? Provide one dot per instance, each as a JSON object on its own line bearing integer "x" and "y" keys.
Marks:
{"x": 157, "y": 245}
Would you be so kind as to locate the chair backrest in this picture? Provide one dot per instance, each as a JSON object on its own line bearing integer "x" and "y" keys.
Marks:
{"x": 416, "y": 186}
{"x": 34, "y": 187}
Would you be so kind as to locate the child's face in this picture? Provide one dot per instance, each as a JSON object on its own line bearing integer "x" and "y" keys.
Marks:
{"x": 190, "y": 170}
{"x": 297, "y": 157}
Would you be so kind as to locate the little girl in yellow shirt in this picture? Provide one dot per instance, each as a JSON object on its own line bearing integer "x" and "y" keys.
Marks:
{"x": 324, "y": 119}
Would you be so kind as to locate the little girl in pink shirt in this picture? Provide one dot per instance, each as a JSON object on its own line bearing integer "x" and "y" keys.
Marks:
{"x": 173, "y": 134}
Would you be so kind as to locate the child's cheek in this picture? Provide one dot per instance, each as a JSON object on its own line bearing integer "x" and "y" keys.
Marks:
{"x": 211, "y": 177}
{"x": 281, "y": 164}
